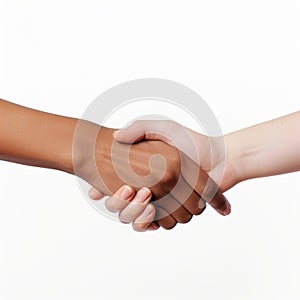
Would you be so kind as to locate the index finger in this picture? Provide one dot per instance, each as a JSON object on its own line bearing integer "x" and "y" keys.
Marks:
{"x": 205, "y": 186}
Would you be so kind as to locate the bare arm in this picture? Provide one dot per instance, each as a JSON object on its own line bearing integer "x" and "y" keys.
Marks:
{"x": 41, "y": 139}
{"x": 35, "y": 138}
{"x": 266, "y": 149}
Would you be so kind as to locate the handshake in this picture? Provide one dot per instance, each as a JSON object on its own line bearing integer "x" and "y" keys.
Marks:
{"x": 157, "y": 173}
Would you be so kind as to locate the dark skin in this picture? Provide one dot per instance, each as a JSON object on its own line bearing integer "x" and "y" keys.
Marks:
{"x": 46, "y": 140}
{"x": 175, "y": 199}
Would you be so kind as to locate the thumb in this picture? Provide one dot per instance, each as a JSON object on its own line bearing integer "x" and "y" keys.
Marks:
{"x": 142, "y": 130}
{"x": 96, "y": 194}
{"x": 131, "y": 134}
{"x": 166, "y": 131}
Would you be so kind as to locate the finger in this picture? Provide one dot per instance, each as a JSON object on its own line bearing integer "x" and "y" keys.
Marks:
{"x": 190, "y": 200}
{"x": 145, "y": 221}
{"x": 169, "y": 204}
{"x": 153, "y": 226}
{"x": 136, "y": 207}
{"x": 205, "y": 186}
{"x": 168, "y": 131}
{"x": 181, "y": 215}
{"x": 145, "y": 129}
{"x": 120, "y": 199}
{"x": 94, "y": 194}
{"x": 163, "y": 219}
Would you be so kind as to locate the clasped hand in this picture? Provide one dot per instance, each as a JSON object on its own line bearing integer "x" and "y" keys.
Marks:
{"x": 161, "y": 167}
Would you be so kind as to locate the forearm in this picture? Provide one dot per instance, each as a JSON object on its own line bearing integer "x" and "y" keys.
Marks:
{"x": 266, "y": 149}
{"x": 36, "y": 138}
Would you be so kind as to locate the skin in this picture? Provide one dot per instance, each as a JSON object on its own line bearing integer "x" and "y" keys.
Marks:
{"x": 88, "y": 150}
{"x": 267, "y": 149}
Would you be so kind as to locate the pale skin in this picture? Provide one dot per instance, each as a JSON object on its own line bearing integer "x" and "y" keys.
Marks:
{"x": 267, "y": 149}
{"x": 41, "y": 139}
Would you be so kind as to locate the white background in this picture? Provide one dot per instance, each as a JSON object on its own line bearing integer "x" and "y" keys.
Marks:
{"x": 242, "y": 57}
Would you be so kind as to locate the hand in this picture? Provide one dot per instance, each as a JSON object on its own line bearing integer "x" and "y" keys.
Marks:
{"x": 107, "y": 164}
{"x": 145, "y": 220}
{"x": 210, "y": 151}
{"x": 137, "y": 132}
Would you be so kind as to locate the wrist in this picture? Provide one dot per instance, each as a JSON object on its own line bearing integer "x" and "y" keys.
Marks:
{"x": 83, "y": 146}
{"x": 91, "y": 150}
{"x": 234, "y": 158}
{"x": 241, "y": 153}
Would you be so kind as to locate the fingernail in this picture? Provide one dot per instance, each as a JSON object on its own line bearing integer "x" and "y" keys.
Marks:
{"x": 142, "y": 195}
{"x": 227, "y": 210}
{"x": 126, "y": 193}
